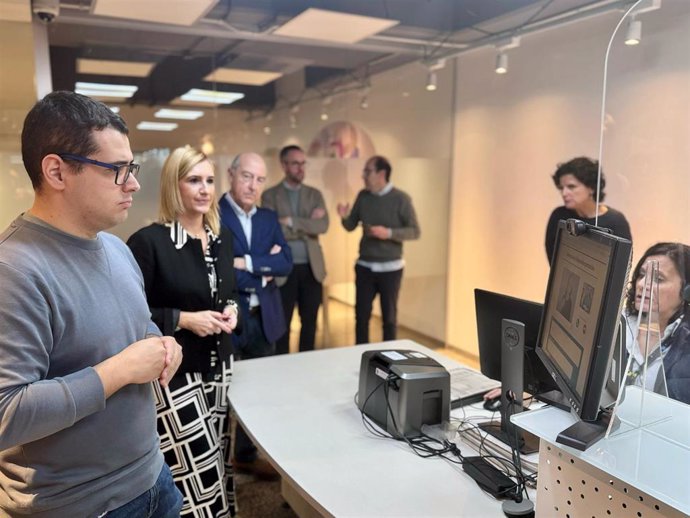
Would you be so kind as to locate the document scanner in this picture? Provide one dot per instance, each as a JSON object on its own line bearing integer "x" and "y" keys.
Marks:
{"x": 402, "y": 390}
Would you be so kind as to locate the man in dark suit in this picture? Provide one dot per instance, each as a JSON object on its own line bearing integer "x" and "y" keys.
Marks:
{"x": 261, "y": 253}
{"x": 302, "y": 215}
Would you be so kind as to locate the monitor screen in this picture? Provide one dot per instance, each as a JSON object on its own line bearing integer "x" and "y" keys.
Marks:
{"x": 581, "y": 312}
{"x": 491, "y": 309}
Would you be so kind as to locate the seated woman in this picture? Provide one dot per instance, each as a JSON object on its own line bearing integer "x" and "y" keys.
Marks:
{"x": 186, "y": 260}
{"x": 577, "y": 182}
{"x": 673, "y": 351}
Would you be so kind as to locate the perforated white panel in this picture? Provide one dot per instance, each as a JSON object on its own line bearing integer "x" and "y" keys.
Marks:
{"x": 570, "y": 488}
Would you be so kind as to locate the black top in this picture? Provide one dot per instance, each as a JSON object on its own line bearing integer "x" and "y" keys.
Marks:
{"x": 612, "y": 219}
{"x": 177, "y": 280}
{"x": 677, "y": 363}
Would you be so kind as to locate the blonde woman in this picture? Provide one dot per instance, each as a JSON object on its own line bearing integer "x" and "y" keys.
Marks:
{"x": 187, "y": 263}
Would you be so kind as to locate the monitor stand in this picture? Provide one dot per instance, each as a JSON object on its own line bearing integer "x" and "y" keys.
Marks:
{"x": 512, "y": 383}
{"x": 554, "y": 398}
{"x": 583, "y": 434}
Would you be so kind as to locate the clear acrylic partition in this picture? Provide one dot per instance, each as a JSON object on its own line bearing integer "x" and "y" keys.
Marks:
{"x": 645, "y": 130}
{"x": 644, "y": 370}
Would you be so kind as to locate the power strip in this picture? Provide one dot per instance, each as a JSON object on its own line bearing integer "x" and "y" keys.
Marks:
{"x": 488, "y": 477}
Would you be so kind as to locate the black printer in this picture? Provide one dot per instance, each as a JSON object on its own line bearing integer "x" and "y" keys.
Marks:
{"x": 417, "y": 389}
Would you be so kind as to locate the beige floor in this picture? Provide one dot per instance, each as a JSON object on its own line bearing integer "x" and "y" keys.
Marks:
{"x": 340, "y": 332}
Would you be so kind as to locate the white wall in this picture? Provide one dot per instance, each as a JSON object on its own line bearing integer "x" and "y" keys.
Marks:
{"x": 512, "y": 130}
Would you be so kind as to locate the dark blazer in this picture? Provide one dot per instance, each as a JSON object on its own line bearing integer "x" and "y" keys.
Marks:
{"x": 266, "y": 232}
{"x": 178, "y": 280}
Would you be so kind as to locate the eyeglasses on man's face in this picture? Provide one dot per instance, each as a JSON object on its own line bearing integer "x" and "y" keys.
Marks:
{"x": 122, "y": 171}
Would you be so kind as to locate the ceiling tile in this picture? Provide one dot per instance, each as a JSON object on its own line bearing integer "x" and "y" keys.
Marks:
{"x": 319, "y": 24}
{"x": 113, "y": 68}
{"x": 178, "y": 12}
{"x": 242, "y": 77}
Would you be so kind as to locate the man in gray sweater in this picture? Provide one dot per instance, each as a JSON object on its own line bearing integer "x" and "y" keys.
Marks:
{"x": 388, "y": 218}
{"x": 78, "y": 351}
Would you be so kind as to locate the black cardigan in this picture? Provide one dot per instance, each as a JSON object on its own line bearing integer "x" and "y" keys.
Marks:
{"x": 178, "y": 280}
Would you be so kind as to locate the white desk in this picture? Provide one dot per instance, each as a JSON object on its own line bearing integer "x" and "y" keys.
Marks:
{"x": 645, "y": 470}
{"x": 300, "y": 410}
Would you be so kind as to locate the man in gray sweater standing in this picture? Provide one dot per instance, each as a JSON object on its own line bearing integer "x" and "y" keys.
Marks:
{"x": 78, "y": 350}
{"x": 388, "y": 218}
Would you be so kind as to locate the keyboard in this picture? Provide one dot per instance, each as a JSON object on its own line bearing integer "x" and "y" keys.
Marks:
{"x": 468, "y": 386}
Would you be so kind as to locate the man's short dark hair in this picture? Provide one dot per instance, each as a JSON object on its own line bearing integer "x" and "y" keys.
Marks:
{"x": 585, "y": 170}
{"x": 64, "y": 122}
{"x": 284, "y": 152}
{"x": 382, "y": 164}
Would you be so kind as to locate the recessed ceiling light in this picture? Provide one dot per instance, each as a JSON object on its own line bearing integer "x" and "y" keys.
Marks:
{"x": 211, "y": 96}
{"x": 242, "y": 77}
{"x": 105, "y": 90}
{"x": 156, "y": 126}
{"x": 326, "y": 25}
{"x": 168, "y": 113}
{"x": 113, "y": 68}
{"x": 114, "y": 109}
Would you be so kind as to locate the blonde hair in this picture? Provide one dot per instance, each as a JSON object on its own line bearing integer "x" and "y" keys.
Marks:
{"x": 178, "y": 164}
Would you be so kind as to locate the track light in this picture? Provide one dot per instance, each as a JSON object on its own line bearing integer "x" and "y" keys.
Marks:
{"x": 501, "y": 63}
{"x": 634, "y": 33}
{"x": 431, "y": 81}
{"x": 364, "y": 102}
{"x": 324, "y": 115}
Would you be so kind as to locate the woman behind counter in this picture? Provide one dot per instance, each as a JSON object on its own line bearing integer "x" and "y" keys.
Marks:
{"x": 186, "y": 260}
{"x": 674, "y": 320}
{"x": 577, "y": 182}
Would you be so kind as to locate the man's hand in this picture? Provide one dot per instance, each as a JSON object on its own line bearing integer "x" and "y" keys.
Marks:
{"x": 141, "y": 362}
{"x": 204, "y": 323}
{"x": 173, "y": 358}
{"x": 379, "y": 232}
{"x": 318, "y": 213}
{"x": 239, "y": 263}
{"x": 275, "y": 249}
{"x": 343, "y": 209}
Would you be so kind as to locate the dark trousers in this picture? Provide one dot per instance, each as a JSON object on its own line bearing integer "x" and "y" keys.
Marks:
{"x": 255, "y": 345}
{"x": 302, "y": 289}
{"x": 368, "y": 284}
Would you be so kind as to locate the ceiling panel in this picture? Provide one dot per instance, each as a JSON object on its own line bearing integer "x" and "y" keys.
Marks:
{"x": 180, "y": 12}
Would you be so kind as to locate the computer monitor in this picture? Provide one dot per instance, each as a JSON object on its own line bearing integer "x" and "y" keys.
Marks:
{"x": 491, "y": 309}
{"x": 582, "y": 308}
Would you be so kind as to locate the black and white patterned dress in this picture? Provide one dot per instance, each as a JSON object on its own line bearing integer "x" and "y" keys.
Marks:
{"x": 193, "y": 412}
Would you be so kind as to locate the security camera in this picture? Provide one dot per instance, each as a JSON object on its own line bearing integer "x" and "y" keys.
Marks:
{"x": 46, "y": 10}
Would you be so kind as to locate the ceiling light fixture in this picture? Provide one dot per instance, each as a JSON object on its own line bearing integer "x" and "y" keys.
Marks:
{"x": 105, "y": 90}
{"x": 633, "y": 34}
{"x": 114, "y": 109}
{"x": 211, "y": 96}
{"x": 501, "y": 63}
{"x": 156, "y": 126}
{"x": 431, "y": 81}
{"x": 169, "y": 113}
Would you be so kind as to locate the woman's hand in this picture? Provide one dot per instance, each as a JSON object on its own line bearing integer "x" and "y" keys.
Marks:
{"x": 230, "y": 315}
{"x": 205, "y": 323}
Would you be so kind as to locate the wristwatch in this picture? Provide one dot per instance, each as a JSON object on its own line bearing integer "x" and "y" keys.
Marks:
{"x": 232, "y": 305}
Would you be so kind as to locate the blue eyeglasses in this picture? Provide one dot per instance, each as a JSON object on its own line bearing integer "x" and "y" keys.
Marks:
{"x": 122, "y": 171}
